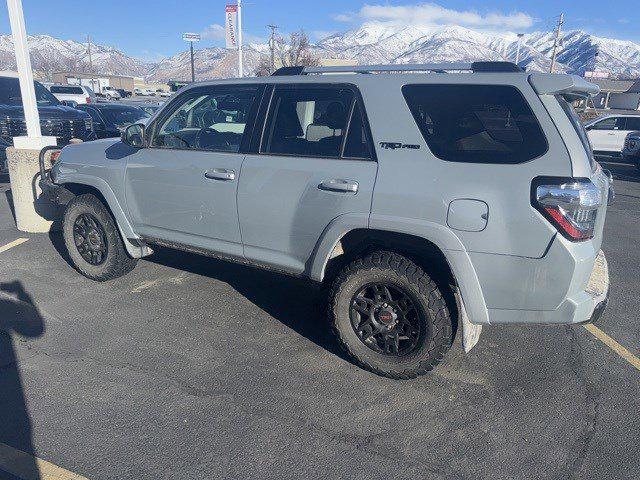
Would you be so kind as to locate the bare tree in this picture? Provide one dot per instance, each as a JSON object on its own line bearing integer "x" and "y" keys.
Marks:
{"x": 289, "y": 52}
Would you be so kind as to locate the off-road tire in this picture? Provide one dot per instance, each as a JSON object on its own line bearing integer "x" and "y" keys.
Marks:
{"x": 385, "y": 266}
{"x": 117, "y": 262}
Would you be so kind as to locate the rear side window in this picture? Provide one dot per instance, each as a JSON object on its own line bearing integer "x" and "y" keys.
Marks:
{"x": 633, "y": 123}
{"x": 578, "y": 127}
{"x": 476, "y": 123}
{"x": 313, "y": 121}
{"x": 67, "y": 90}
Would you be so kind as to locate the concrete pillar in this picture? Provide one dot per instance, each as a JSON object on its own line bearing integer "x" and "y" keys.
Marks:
{"x": 33, "y": 213}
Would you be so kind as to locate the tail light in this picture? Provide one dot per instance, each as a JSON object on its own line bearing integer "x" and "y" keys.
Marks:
{"x": 571, "y": 205}
{"x": 54, "y": 156}
{"x": 88, "y": 100}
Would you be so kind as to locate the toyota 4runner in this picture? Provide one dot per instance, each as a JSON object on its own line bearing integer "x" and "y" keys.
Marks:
{"x": 429, "y": 199}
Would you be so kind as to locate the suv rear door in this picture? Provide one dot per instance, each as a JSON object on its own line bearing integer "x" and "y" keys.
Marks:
{"x": 608, "y": 135}
{"x": 182, "y": 188}
{"x": 304, "y": 172}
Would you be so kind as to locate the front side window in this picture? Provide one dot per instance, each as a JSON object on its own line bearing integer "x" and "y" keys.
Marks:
{"x": 10, "y": 93}
{"x": 308, "y": 121}
{"x": 611, "y": 123}
{"x": 207, "y": 119}
{"x": 476, "y": 123}
{"x": 123, "y": 116}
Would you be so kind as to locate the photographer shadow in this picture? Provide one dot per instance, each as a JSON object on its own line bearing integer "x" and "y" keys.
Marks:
{"x": 19, "y": 317}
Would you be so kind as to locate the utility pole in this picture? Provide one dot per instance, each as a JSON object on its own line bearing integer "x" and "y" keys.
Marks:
{"x": 240, "y": 69}
{"x": 272, "y": 47}
{"x": 520, "y": 35}
{"x": 556, "y": 41}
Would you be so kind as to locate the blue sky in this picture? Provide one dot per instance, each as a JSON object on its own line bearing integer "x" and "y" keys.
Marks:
{"x": 152, "y": 29}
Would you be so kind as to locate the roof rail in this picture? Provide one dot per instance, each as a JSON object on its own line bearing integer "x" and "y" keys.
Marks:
{"x": 495, "y": 67}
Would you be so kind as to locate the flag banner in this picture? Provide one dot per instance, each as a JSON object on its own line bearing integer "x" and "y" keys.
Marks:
{"x": 231, "y": 26}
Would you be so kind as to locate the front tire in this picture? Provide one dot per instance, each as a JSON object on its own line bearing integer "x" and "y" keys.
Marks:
{"x": 389, "y": 316}
{"x": 93, "y": 241}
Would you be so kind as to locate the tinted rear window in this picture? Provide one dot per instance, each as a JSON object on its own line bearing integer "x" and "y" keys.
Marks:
{"x": 66, "y": 90}
{"x": 476, "y": 123}
{"x": 633, "y": 123}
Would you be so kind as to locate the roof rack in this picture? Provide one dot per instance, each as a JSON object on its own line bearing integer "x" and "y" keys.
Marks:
{"x": 476, "y": 67}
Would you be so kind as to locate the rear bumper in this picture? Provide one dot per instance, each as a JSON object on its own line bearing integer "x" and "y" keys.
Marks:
{"x": 584, "y": 306}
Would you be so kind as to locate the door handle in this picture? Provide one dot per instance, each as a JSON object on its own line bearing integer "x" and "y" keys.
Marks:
{"x": 220, "y": 174}
{"x": 339, "y": 185}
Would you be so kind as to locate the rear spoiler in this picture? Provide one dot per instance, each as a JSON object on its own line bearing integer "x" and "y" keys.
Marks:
{"x": 571, "y": 86}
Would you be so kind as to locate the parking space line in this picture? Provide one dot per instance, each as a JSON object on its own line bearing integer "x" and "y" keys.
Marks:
{"x": 15, "y": 243}
{"x": 613, "y": 345}
{"x": 27, "y": 467}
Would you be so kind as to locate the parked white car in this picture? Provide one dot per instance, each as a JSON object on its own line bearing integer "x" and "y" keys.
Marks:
{"x": 147, "y": 92}
{"x": 111, "y": 93}
{"x": 137, "y": 91}
{"x": 607, "y": 134}
{"x": 73, "y": 93}
{"x": 165, "y": 93}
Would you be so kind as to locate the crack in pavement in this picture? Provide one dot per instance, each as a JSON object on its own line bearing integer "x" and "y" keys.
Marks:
{"x": 574, "y": 468}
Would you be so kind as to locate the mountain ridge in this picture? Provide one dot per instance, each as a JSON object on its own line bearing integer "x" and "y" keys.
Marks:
{"x": 578, "y": 52}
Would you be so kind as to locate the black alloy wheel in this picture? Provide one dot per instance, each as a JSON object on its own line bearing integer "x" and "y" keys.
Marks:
{"x": 90, "y": 239}
{"x": 386, "y": 319}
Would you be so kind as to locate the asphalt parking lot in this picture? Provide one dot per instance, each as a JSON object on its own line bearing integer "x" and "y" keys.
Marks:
{"x": 193, "y": 368}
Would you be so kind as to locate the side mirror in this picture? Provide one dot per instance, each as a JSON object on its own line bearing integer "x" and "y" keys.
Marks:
{"x": 69, "y": 103}
{"x": 133, "y": 135}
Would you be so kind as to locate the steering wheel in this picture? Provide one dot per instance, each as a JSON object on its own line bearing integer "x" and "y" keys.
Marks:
{"x": 224, "y": 143}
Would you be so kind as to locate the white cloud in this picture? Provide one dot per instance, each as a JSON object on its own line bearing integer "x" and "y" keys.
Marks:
{"x": 344, "y": 17}
{"x": 214, "y": 31}
{"x": 430, "y": 14}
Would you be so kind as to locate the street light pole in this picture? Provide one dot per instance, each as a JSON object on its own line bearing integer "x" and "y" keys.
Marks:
{"x": 193, "y": 69}
{"x": 240, "y": 69}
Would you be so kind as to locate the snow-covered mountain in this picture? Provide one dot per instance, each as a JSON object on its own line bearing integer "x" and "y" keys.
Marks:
{"x": 211, "y": 62}
{"x": 371, "y": 43}
{"x": 578, "y": 51}
{"x": 49, "y": 54}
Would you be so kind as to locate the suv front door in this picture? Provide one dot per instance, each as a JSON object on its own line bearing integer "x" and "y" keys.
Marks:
{"x": 305, "y": 173}
{"x": 182, "y": 187}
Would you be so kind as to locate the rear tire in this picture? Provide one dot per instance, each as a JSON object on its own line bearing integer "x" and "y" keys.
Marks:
{"x": 389, "y": 316}
{"x": 93, "y": 241}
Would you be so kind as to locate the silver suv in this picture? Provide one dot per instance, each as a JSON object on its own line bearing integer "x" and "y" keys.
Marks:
{"x": 428, "y": 199}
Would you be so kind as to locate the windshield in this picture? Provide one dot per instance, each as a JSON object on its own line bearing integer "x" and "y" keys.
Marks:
{"x": 123, "y": 116}
{"x": 579, "y": 128}
{"x": 10, "y": 93}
